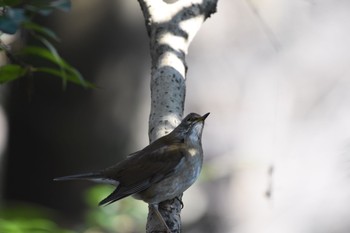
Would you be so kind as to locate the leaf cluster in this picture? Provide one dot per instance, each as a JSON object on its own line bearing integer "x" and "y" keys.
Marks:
{"x": 125, "y": 216}
{"x": 25, "y": 218}
{"x": 17, "y": 16}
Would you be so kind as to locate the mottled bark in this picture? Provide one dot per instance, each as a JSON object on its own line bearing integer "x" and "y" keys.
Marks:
{"x": 171, "y": 26}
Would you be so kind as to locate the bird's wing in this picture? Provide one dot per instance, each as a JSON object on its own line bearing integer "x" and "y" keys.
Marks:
{"x": 140, "y": 171}
{"x": 156, "y": 145}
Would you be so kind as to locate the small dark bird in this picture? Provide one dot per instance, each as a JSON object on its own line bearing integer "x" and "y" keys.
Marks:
{"x": 161, "y": 171}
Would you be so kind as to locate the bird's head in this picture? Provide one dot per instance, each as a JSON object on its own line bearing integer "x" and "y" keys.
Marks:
{"x": 191, "y": 126}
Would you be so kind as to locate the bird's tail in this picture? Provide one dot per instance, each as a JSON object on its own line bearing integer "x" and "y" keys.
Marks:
{"x": 98, "y": 177}
{"x": 85, "y": 176}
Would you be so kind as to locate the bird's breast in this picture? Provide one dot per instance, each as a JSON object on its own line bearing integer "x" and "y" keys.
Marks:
{"x": 192, "y": 165}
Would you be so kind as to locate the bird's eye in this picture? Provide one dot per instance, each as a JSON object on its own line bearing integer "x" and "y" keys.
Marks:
{"x": 190, "y": 119}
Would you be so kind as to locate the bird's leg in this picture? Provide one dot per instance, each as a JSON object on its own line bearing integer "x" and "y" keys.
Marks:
{"x": 160, "y": 217}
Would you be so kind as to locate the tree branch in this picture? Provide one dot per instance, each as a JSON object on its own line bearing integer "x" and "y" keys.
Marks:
{"x": 171, "y": 28}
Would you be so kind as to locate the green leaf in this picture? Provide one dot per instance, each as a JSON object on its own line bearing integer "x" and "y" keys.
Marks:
{"x": 63, "y": 5}
{"x": 43, "y": 53}
{"x": 10, "y": 2}
{"x": 9, "y": 23}
{"x": 74, "y": 77}
{"x": 42, "y": 11}
{"x": 45, "y": 7}
{"x": 11, "y": 72}
{"x": 41, "y": 30}
{"x": 66, "y": 71}
{"x": 62, "y": 64}
{"x": 56, "y": 58}
{"x": 51, "y": 56}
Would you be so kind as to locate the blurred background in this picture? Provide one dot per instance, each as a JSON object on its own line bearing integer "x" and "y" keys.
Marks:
{"x": 273, "y": 73}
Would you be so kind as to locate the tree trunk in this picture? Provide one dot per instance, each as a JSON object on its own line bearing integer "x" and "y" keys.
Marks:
{"x": 171, "y": 28}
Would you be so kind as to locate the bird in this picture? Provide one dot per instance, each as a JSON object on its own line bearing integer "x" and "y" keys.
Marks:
{"x": 161, "y": 171}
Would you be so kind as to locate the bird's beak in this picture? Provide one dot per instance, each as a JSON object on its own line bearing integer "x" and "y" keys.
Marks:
{"x": 205, "y": 116}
